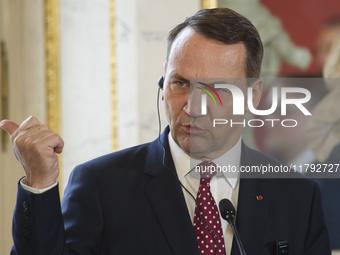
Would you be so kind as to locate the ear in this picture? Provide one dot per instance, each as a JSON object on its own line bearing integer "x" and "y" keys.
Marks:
{"x": 257, "y": 93}
{"x": 165, "y": 66}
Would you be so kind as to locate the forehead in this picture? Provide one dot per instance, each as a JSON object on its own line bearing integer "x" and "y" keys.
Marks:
{"x": 206, "y": 58}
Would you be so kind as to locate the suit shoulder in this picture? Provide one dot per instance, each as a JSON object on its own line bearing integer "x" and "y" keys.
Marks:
{"x": 130, "y": 158}
{"x": 251, "y": 156}
{"x": 271, "y": 168}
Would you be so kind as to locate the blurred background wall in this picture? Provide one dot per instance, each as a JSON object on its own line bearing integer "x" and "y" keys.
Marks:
{"x": 304, "y": 20}
{"x": 89, "y": 68}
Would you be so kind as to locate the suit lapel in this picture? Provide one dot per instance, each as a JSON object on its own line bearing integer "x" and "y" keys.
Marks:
{"x": 166, "y": 197}
{"x": 252, "y": 212}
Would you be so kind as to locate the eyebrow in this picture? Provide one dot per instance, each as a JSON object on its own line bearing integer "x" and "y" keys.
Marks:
{"x": 217, "y": 82}
{"x": 178, "y": 76}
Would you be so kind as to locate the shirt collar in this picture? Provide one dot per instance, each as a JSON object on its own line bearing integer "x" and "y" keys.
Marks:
{"x": 184, "y": 164}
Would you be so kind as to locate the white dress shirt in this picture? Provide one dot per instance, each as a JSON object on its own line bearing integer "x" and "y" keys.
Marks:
{"x": 23, "y": 183}
{"x": 222, "y": 184}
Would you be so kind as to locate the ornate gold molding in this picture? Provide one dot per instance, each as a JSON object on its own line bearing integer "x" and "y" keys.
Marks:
{"x": 113, "y": 76}
{"x": 4, "y": 93}
{"x": 51, "y": 9}
{"x": 208, "y": 4}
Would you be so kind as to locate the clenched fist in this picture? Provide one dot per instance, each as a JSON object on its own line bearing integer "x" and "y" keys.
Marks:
{"x": 35, "y": 146}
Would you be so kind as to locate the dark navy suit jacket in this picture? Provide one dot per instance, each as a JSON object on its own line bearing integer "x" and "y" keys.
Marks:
{"x": 129, "y": 203}
{"x": 330, "y": 189}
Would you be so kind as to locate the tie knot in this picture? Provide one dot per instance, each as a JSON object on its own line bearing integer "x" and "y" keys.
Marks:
{"x": 207, "y": 170}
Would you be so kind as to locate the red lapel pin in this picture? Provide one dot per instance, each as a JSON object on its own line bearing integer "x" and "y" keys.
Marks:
{"x": 259, "y": 197}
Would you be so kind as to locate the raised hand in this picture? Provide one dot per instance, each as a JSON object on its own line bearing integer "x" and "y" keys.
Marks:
{"x": 35, "y": 146}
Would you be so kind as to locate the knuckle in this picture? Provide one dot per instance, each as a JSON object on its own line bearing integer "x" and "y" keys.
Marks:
{"x": 43, "y": 127}
{"x": 32, "y": 121}
{"x": 52, "y": 136}
{"x": 13, "y": 137}
{"x": 55, "y": 136}
{"x": 28, "y": 142}
{"x": 59, "y": 138}
{"x": 18, "y": 140}
{"x": 32, "y": 118}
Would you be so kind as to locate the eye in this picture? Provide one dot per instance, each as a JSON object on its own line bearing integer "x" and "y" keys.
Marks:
{"x": 180, "y": 83}
{"x": 179, "y": 87}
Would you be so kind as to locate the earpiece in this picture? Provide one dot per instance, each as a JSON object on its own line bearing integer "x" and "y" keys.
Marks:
{"x": 160, "y": 85}
{"x": 161, "y": 82}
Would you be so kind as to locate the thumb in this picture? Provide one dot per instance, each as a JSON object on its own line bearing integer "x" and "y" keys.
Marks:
{"x": 9, "y": 126}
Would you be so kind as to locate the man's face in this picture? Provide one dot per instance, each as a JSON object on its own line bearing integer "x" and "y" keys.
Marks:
{"x": 194, "y": 56}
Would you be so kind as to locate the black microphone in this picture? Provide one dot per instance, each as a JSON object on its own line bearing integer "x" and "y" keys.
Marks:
{"x": 227, "y": 211}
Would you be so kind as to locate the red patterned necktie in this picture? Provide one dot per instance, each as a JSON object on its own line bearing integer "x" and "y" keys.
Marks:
{"x": 207, "y": 243}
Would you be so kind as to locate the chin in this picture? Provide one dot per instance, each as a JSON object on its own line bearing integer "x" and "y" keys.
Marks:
{"x": 198, "y": 146}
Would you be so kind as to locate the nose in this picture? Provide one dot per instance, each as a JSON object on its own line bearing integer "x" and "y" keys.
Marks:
{"x": 194, "y": 104}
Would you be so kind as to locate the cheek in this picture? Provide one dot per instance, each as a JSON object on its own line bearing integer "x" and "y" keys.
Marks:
{"x": 224, "y": 111}
{"x": 173, "y": 107}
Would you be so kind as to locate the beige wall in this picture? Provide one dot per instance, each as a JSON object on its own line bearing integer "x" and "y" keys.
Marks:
{"x": 11, "y": 28}
{"x": 142, "y": 29}
{"x": 21, "y": 27}
{"x": 85, "y": 78}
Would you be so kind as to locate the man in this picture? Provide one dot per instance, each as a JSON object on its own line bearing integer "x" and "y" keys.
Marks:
{"x": 137, "y": 201}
